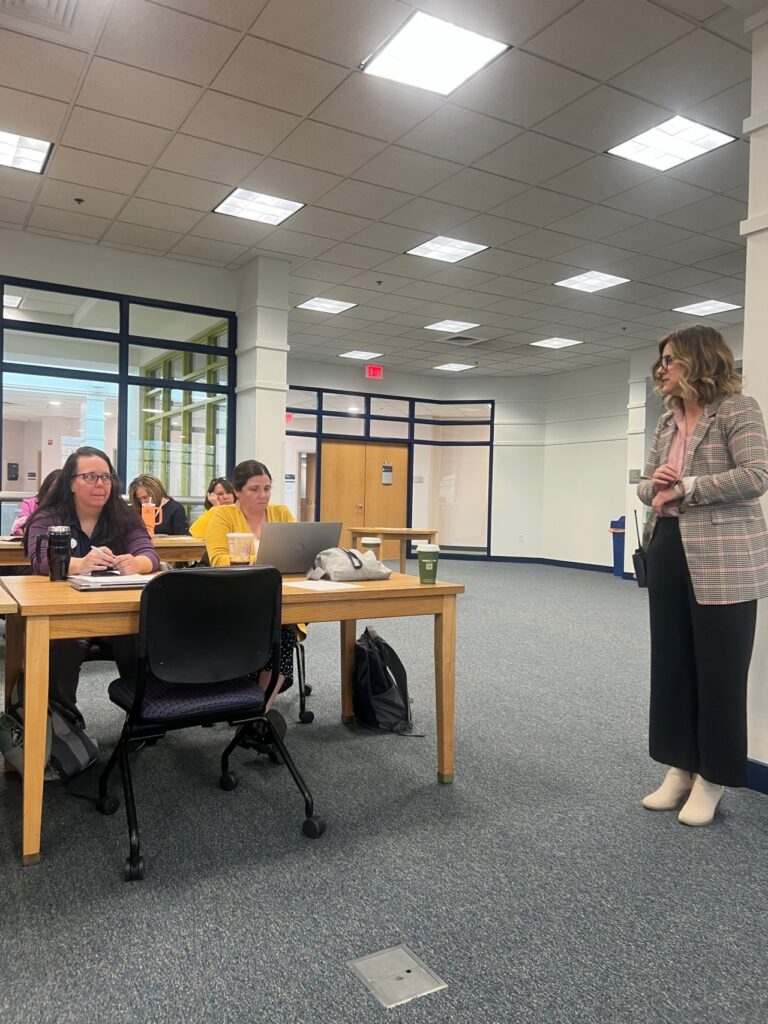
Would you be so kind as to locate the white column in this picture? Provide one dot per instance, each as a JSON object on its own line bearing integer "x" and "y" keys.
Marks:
{"x": 755, "y": 228}
{"x": 262, "y": 352}
{"x": 92, "y": 421}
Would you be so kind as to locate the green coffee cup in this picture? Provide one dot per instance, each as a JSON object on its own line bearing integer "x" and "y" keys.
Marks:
{"x": 428, "y": 555}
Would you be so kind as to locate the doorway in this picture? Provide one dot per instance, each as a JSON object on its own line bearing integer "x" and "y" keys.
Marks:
{"x": 365, "y": 483}
{"x": 306, "y": 475}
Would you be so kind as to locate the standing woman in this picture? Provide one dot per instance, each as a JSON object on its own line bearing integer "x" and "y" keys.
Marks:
{"x": 148, "y": 490}
{"x": 707, "y": 566}
{"x": 106, "y": 534}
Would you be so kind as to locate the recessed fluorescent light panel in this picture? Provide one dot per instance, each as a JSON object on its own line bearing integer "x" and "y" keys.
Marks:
{"x": 23, "y": 153}
{"x": 671, "y": 143}
{"x": 706, "y": 308}
{"x": 432, "y": 54}
{"x": 594, "y": 281}
{"x": 326, "y": 305}
{"x": 449, "y": 250}
{"x": 11, "y": 301}
{"x": 451, "y": 326}
{"x": 257, "y": 206}
{"x": 355, "y": 354}
{"x": 455, "y": 367}
{"x": 556, "y": 343}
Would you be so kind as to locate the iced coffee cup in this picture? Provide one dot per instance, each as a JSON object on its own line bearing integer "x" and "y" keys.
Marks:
{"x": 240, "y": 548}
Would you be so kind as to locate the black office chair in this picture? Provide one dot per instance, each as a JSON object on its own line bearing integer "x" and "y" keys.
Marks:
{"x": 204, "y": 634}
{"x": 305, "y": 717}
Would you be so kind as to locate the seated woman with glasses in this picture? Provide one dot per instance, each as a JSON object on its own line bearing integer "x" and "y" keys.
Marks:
{"x": 148, "y": 490}
{"x": 106, "y": 534}
{"x": 220, "y": 492}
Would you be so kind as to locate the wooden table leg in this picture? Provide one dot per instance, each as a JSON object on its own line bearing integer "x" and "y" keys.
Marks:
{"x": 14, "y": 659}
{"x": 403, "y": 551}
{"x": 445, "y": 687}
{"x": 35, "y": 723}
{"x": 348, "y": 628}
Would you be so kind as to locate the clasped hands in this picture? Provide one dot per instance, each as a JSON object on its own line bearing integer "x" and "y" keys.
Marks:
{"x": 98, "y": 559}
{"x": 663, "y": 480}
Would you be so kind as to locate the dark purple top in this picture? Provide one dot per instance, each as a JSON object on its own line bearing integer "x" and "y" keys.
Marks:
{"x": 135, "y": 541}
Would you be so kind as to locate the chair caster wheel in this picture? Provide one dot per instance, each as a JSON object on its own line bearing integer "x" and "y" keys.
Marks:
{"x": 313, "y": 827}
{"x": 228, "y": 781}
{"x": 133, "y": 873}
{"x": 305, "y": 717}
{"x": 108, "y": 805}
{"x": 307, "y": 689}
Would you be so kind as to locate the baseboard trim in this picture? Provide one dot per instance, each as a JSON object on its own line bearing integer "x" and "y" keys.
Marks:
{"x": 757, "y": 776}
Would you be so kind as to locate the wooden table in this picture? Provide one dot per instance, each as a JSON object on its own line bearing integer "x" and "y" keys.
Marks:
{"x": 169, "y": 549}
{"x": 401, "y": 533}
{"x": 45, "y": 611}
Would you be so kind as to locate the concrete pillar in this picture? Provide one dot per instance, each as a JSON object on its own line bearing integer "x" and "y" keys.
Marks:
{"x": 92, "y": 429}
{"x": 262, "y": 353}
{"x": 755, "y": 229}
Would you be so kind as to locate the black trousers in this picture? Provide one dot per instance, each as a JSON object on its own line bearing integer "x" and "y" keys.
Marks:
{"x": 700, "y": 656}
{"x": 66, "y": 657}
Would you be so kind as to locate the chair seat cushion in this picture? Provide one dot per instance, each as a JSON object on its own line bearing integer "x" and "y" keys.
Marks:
{"x": 172, "y": 700}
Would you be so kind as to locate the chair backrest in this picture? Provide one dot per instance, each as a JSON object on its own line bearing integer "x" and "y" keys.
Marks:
{"x": 209, "y": 625}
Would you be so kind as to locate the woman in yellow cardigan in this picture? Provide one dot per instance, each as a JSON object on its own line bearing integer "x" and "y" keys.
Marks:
{"x": 253, "y": 490}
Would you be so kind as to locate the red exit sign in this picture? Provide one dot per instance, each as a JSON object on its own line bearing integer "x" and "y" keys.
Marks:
{"x": 374, "y": 372}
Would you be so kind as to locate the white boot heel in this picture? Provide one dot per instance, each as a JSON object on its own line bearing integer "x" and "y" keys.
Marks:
{"x": 701, "y": 805}
{"x": 676, "y": 785}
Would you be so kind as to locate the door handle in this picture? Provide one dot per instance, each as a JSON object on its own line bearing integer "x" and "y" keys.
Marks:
{"x": 359, "y": 506}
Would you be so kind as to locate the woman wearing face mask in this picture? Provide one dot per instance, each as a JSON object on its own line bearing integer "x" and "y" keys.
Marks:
{"x": 707, "y": 567}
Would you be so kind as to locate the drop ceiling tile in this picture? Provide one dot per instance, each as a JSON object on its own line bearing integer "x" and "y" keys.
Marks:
{"x": 35, "y": 66}
{"x": 521, "y": 88}
{"x": 546, "y": 272}
{"x": 97, "y": 171}
{"x": 142, "y": 237}
{"x": 720, "y": 171}
{"x": 460, "y": 277}
{"x": 647, "y": 236}
{"x": 233, "y": 13}
{"x": 294, "y": 243}
{"x": 718, "y": 288}
{"x": 375, "y": 106}
{"x": 698, "y": 9}
{"x": 508, "y": 286}
{"x": 476, "y": 189}
{"x": 595, "y": 222}
{"x": 715, "y": 212}
{"x": 278, "y": 77}
{"x": 397, "y": 303}
{"x": 458, "y": 134}
{"x": 496, "y": 261}
{"x": 313, "y": 28}
{"x": 640, "y": 268}
{"x": 688, "y": 71}
{"x": 65, "y": 222}
{"x": 160, "y": 215}
{"x": 732, "y": 265}
{"x": 333, "y": 273}
{"x": 727, "y": 111}
{"x": 34, "y": 116}
{"x": 15, "y": 184}
{"x": 539, "y": 207}
{"x": 100, "y": 133}
{"x": 694, "y": 250}
{"x": 603, "y": 37}
{"x": 362, "y": 199}
{"x": 488, "y": 230}
{"x": 543, "y": 244}
{"x": 238, "y": 123}
{"x": 356, "y": 255}
{"x": 180, "y": 190}
{"x": 325, "y": 223}
{"x": 476, "y": 300}
{"x": 532, "y": 158}
{"x": 414, "y": 267}
{"x": 12, "y": 211}
{"x": 289, "y": 181}
{"x": 729, "y": 233}
{"x": 413, "y": 172}
{"x": 98, "y": 202}
{"x": 602, "y": 119}
{"x": 390, "y": 238}
{"x": 599, "y": 178}
{"x": 327, "y": 148}
{"x": 158, "y": 39}
{"x": 428, "y": 215}
{"x": 682, "y": 279}
{"x": 138, "y": 95}
{"x": 207, "y": 249}
{"x": 657, "y": 197}
{"x": 730, "y": 23}
{"x": 209, "y": 160}
{"x": 596, "y": 256}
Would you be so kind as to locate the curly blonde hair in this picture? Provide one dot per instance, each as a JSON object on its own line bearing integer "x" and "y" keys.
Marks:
{"x": 707, "y": 362}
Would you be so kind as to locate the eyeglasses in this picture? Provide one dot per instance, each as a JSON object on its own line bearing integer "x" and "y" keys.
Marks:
{"x": 92, "y": 478}
{"x": 665, "y": 362}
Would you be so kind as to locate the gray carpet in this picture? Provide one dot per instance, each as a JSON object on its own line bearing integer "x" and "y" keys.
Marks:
{"x": 536, "y": 885}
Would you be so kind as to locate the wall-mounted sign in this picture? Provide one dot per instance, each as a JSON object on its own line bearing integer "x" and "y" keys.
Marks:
{"x": 374, "y": 372}
{"x": 386, "y": 474}
{"x": 289, "y": 417}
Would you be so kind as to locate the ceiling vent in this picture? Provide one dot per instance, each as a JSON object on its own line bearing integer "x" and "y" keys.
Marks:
{"x": 463, "y": 340}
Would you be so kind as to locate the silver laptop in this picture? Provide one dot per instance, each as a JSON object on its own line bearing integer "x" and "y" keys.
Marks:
{"x": 292, "y": 547}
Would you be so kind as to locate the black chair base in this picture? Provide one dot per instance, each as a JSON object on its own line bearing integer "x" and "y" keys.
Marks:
{"x": 305, "y": 717}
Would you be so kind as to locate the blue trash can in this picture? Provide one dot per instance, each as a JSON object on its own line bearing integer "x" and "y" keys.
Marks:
{"x": 617, "y": 532}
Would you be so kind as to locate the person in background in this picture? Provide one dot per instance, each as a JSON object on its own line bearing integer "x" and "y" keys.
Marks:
{"x": 220, "y": 492}
{"x": 148, "y": 490}
{"x": 707, "y": 566}
{"x": 29, "y": 505}
{"x": 252, "y": 482}
{"x": 106, "y": 534}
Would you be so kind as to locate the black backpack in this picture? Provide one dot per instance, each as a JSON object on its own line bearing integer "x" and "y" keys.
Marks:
{"x": 380, "y": 686}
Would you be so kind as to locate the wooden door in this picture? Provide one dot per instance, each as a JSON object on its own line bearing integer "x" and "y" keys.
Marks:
{"x": 307, "y": 475}
{"x": 386, "y": 489}
{"x": 342, "y": 488}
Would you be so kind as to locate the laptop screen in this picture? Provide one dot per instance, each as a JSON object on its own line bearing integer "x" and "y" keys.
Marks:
{"x": 293, "y": 547}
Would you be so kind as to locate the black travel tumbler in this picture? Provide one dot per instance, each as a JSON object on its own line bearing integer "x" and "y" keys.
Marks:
{"x": 59, "y": 552}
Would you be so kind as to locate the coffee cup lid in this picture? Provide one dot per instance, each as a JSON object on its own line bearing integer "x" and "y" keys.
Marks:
{"x": 249, "y": 535}
{"x": 431, "y": 548}
{"x": 370, "y": 540}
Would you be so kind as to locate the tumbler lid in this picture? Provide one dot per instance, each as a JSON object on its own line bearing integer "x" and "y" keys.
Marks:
{"x": 62, "y": 531}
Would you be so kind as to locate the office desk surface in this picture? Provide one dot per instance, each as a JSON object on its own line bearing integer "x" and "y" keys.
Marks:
{"x": 44, "y": 611}
{"x": 169, "y": 549}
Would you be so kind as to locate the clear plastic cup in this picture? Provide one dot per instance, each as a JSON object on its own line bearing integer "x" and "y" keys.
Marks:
{"x": 240, "y": 548}
{"x": 428, "y": 555}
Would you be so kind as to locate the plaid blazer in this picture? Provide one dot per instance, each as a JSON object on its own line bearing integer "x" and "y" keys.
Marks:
{"x": 721, "y": 522}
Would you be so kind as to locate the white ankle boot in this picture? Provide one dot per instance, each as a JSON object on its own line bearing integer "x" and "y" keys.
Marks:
{"x": 676, "y": 785}
{"x": 700, "y": 807}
